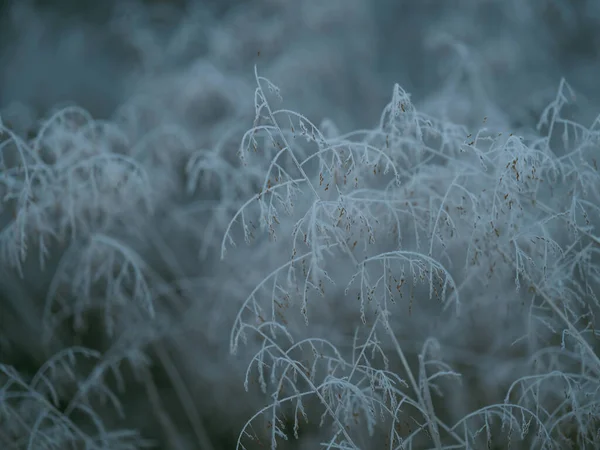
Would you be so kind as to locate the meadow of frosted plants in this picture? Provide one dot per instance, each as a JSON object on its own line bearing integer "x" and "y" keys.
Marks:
{"x": 212, "y": 242}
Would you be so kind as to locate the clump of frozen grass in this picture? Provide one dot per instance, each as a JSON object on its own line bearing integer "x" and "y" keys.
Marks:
{"x": 80, "y": 192}
{"x": 381, "y": 223}
{"x": 66, "y": 190}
